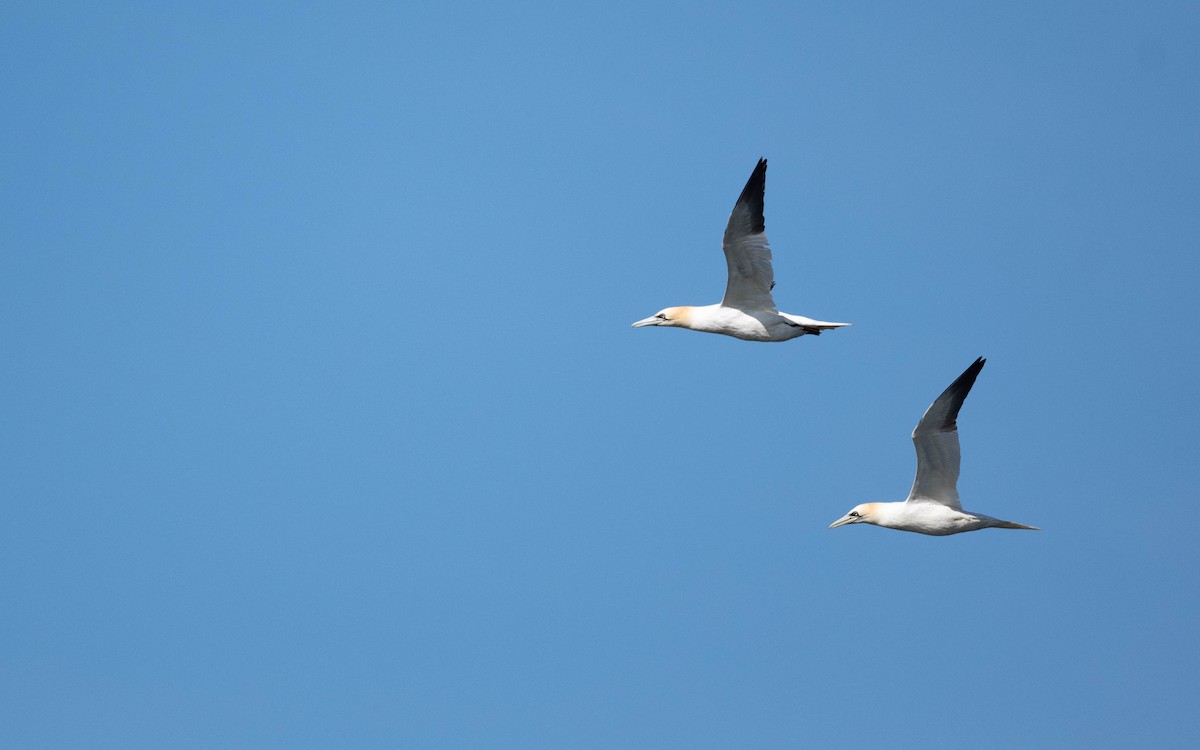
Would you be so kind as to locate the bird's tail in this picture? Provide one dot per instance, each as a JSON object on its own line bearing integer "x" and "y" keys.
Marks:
{"x": 813, "y": 326}
{"x": 1011, "y": 525}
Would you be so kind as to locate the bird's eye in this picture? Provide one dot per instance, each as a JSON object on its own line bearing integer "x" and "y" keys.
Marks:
{"x": 854, "y": 514}
{"x": 660, "y": 316}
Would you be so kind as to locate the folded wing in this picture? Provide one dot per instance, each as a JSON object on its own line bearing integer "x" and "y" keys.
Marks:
{"x": 746, "y": 250}
{"x": 936, "y": 441}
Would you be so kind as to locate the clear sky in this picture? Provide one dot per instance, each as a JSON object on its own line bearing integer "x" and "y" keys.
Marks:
{"x": 322, "y": 423}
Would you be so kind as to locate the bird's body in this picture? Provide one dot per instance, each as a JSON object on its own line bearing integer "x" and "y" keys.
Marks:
{"x": 931, "y": 518}
{"x": 748, "y": 309}
{"x": 933, "y": 506}
{"x": 748, "y": 325}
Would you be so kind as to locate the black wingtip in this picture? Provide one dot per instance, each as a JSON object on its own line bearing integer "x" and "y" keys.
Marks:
{"x": 752, "y": 194}
{"x": 959, "y": 389}
{"x": 967, "y": 379}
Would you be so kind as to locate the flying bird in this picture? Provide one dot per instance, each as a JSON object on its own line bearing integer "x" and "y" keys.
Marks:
{"x": 932, "y": 506}
{"x": 748, "y": 309}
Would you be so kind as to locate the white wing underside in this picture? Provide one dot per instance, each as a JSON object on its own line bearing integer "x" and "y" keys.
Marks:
{"x": 936, "y": 441}
{"x": 747, "y": 254}
{"x": 748, "y": 257}
{"x": 937, "y": 467}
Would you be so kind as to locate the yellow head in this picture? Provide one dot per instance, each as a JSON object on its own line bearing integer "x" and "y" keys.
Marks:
{"x": 863, "y": 513}
{"x": 671, "y": 316}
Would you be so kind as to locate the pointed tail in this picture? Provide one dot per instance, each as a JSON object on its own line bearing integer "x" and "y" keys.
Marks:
{"x": 813, "y": 326}
{"x": 1011, "y": 525}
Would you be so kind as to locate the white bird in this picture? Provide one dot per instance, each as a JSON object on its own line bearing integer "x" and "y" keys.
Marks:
{"x": 932, "y": 506}
{"x": 748, "y": 309}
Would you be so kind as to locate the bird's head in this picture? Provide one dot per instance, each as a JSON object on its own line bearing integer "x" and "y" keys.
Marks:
{"x": 864, "y": 513}
{"x": 671, "y": 316}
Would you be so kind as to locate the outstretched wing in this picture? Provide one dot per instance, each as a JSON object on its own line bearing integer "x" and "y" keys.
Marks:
{"x": 936, "y": 441}
{"x": 746, "y": 250}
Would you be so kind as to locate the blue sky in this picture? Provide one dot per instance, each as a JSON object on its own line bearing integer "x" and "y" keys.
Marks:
{"x": 322, "y": 423}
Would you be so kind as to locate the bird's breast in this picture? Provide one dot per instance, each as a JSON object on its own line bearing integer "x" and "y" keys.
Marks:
{"x": 750, "y": 326}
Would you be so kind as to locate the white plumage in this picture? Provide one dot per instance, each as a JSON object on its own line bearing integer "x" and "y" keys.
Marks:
{"x": 932, "y": 506}
{"x": 748, "y": 310}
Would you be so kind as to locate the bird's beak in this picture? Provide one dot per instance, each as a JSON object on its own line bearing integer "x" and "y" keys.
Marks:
{"x": 843, "y": 521}
{"x": 653, "y": 320}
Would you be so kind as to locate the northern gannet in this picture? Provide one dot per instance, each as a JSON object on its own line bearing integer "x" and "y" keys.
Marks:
{"x": 932, "y": 506}
{"x": 748, "y": 309}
